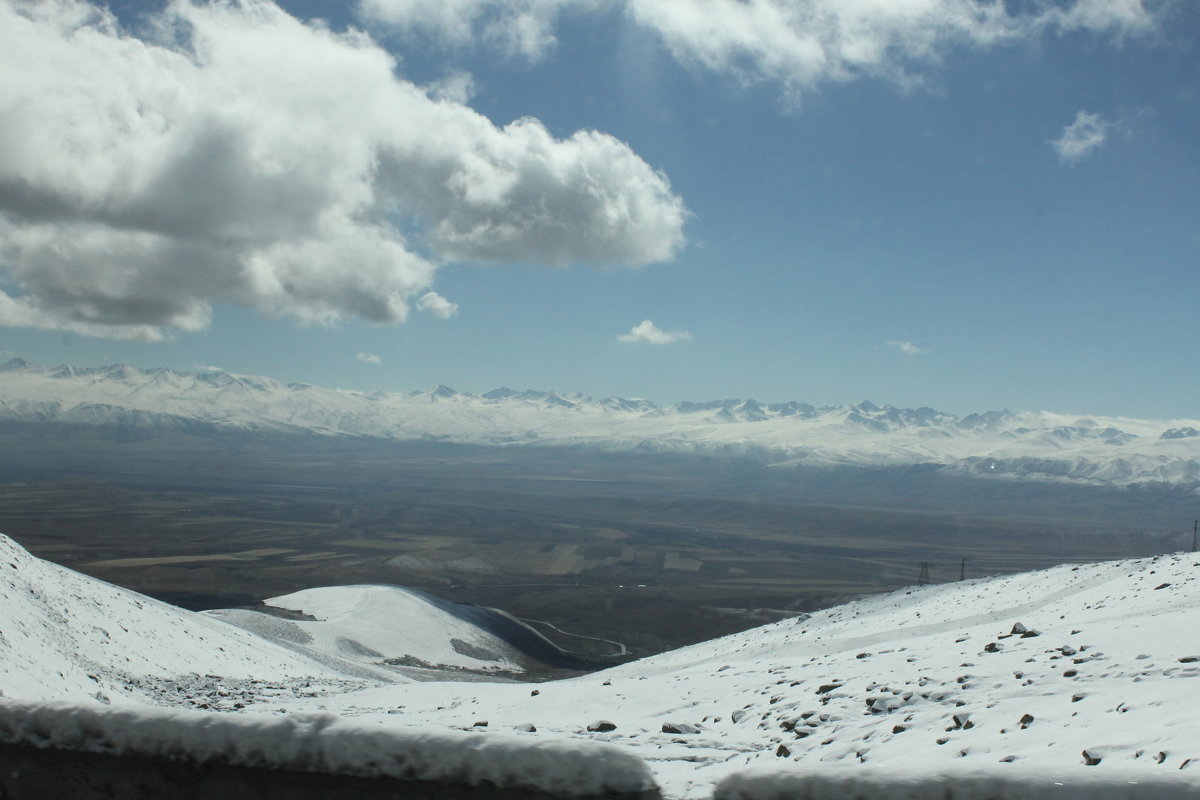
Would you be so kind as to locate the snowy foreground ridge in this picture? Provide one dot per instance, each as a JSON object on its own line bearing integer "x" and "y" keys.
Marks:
{"x": 1041, "y": 446}
{"x": 1079, "y": 675}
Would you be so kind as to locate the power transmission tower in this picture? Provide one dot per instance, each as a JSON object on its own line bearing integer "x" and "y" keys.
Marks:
{"x": 923, "y": 578}
{"x": 962, "y": 572}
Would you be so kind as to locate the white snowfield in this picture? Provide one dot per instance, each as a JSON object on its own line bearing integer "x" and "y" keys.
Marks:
{"x": 1103, "y": 680}
{"x": 1077, "y": 673}
{"x": 1033, "y": 445}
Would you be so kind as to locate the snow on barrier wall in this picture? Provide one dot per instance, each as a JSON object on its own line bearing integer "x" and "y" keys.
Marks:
{"x": 1008, "y": 783}
{"x": 323, "y": 744}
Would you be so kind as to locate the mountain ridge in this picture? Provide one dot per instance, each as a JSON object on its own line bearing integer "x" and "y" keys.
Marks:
{"x": 1043, "y": 446}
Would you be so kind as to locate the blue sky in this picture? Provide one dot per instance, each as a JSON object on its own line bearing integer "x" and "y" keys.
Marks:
{"x": 911, "y": 226}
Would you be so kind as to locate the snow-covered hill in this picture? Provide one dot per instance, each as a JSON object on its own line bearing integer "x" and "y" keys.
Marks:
{"x": 375, "y": 625}
{"x": 1033, "y": 445}
{"x": 64, "y": 635}
{"x": 1090, "y": 667}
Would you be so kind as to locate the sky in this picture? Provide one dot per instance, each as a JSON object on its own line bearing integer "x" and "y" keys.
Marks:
{"x": 962, "y": 204}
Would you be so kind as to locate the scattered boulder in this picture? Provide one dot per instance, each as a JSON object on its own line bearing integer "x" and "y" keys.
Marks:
{"x": 992, "y": 647}
{"x": 1018, "y": 628}
{"x": 962, "y": 721}
{"x": 1189, "y": 659}
{"x": 883, "y": 704}
{"x": 679, "y": 727}
{"x": 601, "y": 726}
{"x": 738, "y": 716}
{"x": 782, "y": 751}
{"x": 526, "y": 727}
{"x": 1025, "y": 721}
{"x": 1090, "y": 759}
{"x": 825, "y": 688}
{"x": 480, "y": 724}
{"x": 1161, "y": 586}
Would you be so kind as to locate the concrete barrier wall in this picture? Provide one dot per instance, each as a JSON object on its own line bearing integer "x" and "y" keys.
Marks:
{"x": 29, "y": 773}
{"x": 58, "y": 750}
{"x": 1007, "y": 783}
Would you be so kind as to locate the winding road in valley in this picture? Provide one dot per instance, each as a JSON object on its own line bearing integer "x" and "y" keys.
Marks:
{"x": 622, "y": 650}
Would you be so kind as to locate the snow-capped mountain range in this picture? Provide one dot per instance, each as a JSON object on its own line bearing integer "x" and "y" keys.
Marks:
{"x": 1080, "y": 669}
{"x": 1030, "y": 445}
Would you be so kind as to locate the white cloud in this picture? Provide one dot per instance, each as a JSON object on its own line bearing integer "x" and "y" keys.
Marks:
{"x": 797, "y": 43}
{"x": 209, "y": 368}
{"x": 802, "y": 43}
{"x": 1081, "y": 137}
{"x": 369, "y": 358}
{"x": 437, "y": 305}
{"x": 457, "y": 87}
{"x": 520, "y": 27}
{"x": 241, "y": 156}
{"x": 646, "y": 332}
{"x": 907, "y": 348}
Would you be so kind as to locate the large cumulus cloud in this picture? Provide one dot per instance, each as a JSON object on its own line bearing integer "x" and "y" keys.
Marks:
{"x": 237, "y": 155}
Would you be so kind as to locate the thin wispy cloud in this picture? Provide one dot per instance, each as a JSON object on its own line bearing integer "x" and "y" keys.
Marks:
{"x": 646, "y": 332}
{"x": 523, "y": 28}
{"x": 435, "y": 304}
{"x": 210, "y": 368}
{"x": 457, "y": 87}
{"x": 1081, "y": 137}
{"x": 907, "y": 348}
{"x": 799, "y": 44}
{"x": 369, "y": 358}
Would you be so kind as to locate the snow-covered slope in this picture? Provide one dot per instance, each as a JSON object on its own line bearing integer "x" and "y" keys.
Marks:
{"x": 1041, "y": 445}
{"x": 933, "y": 677}
{"x": 65, "y": 635}
{"x": 1092, "y": 668}
{"x": 377, "y": 625}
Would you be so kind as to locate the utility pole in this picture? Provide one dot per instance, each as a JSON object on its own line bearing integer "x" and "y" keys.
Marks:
{"x": 962, "y": 572}
{"x": 924, "y": 579}
{"x": 1195, "y": 530}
